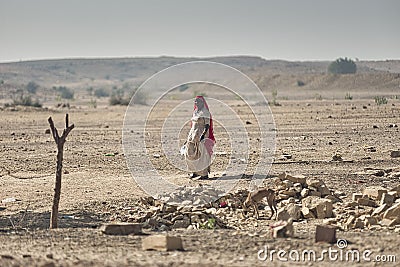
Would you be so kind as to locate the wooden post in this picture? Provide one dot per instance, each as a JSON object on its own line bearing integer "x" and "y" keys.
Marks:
{"x": 60, "y": 140}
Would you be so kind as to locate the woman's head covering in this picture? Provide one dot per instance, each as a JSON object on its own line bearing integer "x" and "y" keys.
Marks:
{"x": 210, "y": 129}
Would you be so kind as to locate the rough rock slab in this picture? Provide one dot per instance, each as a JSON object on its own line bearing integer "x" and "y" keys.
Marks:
{"x": 366, "y": 202}
{"x": 388, "y": 198}
{"x": 325, "y": 233}
{"x": 374, "y": 191}
{"x": 296, "y": 178}
{"x": 162, "y": 243}
{"x": 395, "y": 153}
{"x": 393, "y": 212}
{"x": 121, "y": 228}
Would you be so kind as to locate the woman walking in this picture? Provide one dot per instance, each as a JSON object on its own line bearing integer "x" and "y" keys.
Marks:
{"x": 200, "y": 141}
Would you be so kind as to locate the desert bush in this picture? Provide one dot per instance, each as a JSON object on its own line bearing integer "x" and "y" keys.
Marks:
{"x": 342, "y": 66}
{"x": 380, "y": 100}
{"x": 32, "y": 87}
{"x": 23, "y": 100}
{"x": 274, "y": 98}
{"x": 300, "y": 83}
{"x": 183, "y": 87}
{"x": 93, "y": 103}
{"x": 118, "y": 99}
{"x": 318, "y": 96}
{"x": 348, "y": 96}
{"x": 101, "y": 92}
{"x": 65, "y": 92}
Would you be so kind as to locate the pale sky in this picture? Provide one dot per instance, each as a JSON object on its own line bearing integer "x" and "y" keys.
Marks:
{"x": 281, "y": 29}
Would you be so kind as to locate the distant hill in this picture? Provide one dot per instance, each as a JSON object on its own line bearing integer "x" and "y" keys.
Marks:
{"x": 285, "y": 76}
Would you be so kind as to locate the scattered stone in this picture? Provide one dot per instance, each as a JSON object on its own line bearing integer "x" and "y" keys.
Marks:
{"x": 325, "y": 233}
{"x": 314, "y": 193}
{"x": 334, "y": 198}
{"x": 314, "y": 182}
{"x": 296, "y": 178}
{"x": 307, "y": 214}
{"x": 369, "y": 221}
{"x": 359, "y": 223}
{"x": 374, "y": 191}
{"x": 298, "y": 187}
{"x": 47, "y": 131}
{"x": 389, "y": 222}
{"x": 396, "y": 189}
{"x": 392, "y": 212}
{"x": 9, "y": 200}
{"x": 366, "y": 202}
{"x": 395, "y": 153}
{"x": 322, "y": 208}
{"x": 380, "y": 210}
{"x": 8, "y": 257}
{"x": 388, "y": 198}
{"x": 184, "y": 223}
{"x": 356, "y": 196}
{"x": 370, "y": 149}
{"x": 162, "y": 243}
{"x": 337, "y": 157}
{"x": 324, "y": 190}
{"x": 305, "y": 192}
{"x": 121, "y": 228}
{"x": 329, "y": 221}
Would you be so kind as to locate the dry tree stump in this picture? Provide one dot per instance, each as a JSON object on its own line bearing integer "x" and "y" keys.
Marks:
{"x": 60, "y": 140}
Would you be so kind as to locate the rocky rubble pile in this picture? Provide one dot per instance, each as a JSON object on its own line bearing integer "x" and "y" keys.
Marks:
{"x": 376, "y": 206}
{"x": 304, "y": 198}
{"x": 188, "y": 196}
{"x": 187, "y": 208}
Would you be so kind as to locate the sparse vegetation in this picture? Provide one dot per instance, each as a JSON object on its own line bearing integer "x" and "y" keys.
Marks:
{"x": 274, "y": 98}
{"x": 183, "y": 87}
{"x": 209, "y": 224}
{"x": 300, "y": 83}
{"x": 101, "y": 92}
{"x": 32, "y": 87}
{"x": 380, "y": 100}
{"x": 197, "y": 93}
{"x": 26, "y": 100}
{"x": 348, "y": 96}
{"x": 318, "y": 96}
{"x": 342, "y": 66}
{"x": 118, "y": 97}
{"x": 65, "y": 92}
{"x": 93, "y": 103}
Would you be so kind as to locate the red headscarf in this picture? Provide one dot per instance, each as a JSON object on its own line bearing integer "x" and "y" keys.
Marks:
{"x": 210, "y": 129}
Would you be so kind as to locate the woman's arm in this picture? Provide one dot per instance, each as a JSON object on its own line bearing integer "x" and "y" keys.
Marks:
{"x": 205, "y": 131}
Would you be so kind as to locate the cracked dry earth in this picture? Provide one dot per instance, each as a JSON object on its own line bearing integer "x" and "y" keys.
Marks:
{"x": 96, "y": 180}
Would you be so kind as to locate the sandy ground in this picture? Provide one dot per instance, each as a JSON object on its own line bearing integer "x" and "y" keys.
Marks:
{"x": 95, "y": 173}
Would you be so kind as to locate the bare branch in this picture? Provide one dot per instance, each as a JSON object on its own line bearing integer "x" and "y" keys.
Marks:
{"x": 53, "y": 130}
{"x": 60, "y": 147}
